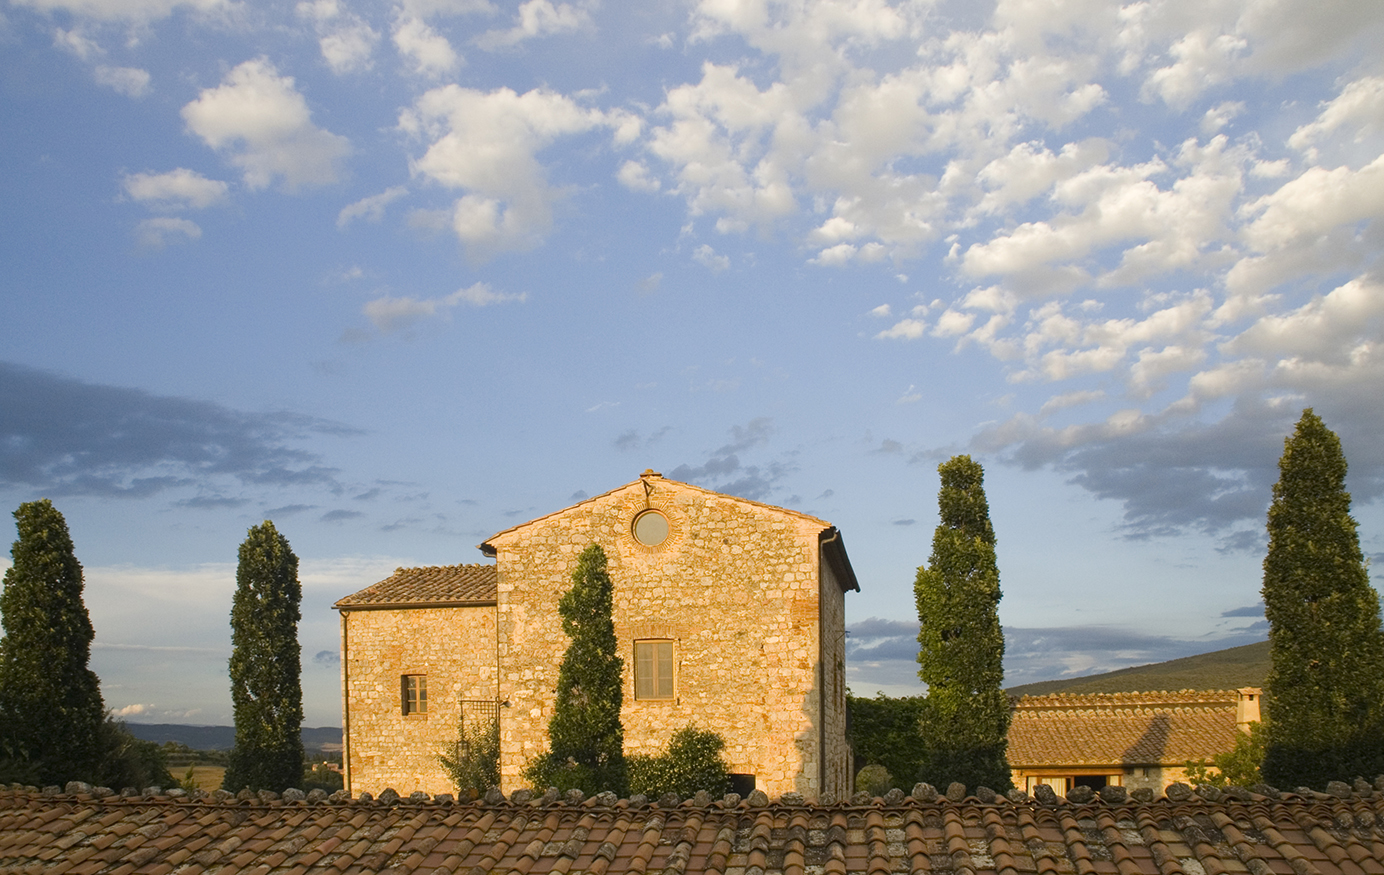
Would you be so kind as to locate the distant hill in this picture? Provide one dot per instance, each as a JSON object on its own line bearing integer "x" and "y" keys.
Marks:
{"x": 223, "y": 737}
{"x": 1229, "y": 669}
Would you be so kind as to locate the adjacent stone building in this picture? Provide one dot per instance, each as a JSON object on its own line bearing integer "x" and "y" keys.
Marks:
{"x": 1132, "y": 740}
{"x": 730, "y": 615}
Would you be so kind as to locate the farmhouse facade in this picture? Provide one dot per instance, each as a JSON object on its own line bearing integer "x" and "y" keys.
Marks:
{"x": 730, "y": 615}
{"x": 1133, "y": 740}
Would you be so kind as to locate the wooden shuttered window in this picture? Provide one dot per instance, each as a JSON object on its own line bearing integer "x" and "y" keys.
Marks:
{"x": 413, "y": 694}
{"x": 653, "y": 669}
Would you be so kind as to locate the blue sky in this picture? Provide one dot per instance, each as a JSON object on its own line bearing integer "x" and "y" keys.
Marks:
{"x": 399, "y": 275}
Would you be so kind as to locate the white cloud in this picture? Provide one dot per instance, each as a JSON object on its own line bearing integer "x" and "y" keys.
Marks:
{"x": 129, "y": 81}
{"x": 158, "y": 232}
{"x": 1313, "y": 204}
{"x": 390, "y": 314}
{"x": 537, "y": 18}
{"x": 176, "y": 189}
{"x": 635, "y": 176}
{"x": 78, "y": 44}
{"x": 1358, "y": 113}
{"x": 905, "y": 329}
{"x": 370, "y": 208}
{"x": 486, "y": 144}
{"x": 346, "y": 41}
{"x": 707, "y": 257}
{"x": 131, "y": 710}
{"x": 261, "y": 121}
{"x": 432, "y": 55}
{"x": 883, "y": 311}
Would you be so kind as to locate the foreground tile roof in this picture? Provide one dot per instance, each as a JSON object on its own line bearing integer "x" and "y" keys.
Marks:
{"x": 434, "y": 586}
{"x": 1104, "y": 729}
{"x": 82, "y": 831}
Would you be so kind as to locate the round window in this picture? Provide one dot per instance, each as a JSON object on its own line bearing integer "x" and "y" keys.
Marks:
{"x": 651, "y": 528}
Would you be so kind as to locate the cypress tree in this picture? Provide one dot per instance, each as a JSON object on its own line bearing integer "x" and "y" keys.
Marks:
{"x": 50, "y": 702}
{"x": 586, "y": 738}
{"x": 266, "y": 689}
{"x": 965, "y": 715}
{"x": 1325, "y": 689}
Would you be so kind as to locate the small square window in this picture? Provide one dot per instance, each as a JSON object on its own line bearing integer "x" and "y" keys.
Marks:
{"x": 653, "y": 669}
{"x": 413, "y": 694}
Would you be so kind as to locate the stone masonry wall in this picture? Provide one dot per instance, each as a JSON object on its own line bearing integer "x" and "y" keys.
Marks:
{"x": 735, "y": 587}
{"x": 453, "y": 647}
{"x": 837, "y": 779}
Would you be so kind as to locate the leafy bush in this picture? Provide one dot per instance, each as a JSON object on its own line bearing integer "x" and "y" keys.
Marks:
{"x": 692, "y": 762}
{"x": 874, "y": 779}
{"x": 130, "y": 762}
{"x": 884, "y": 731}
{"x": 473, "y": 764}
{"x": 322, "y": 777}
{"x": 1238, "y": 767}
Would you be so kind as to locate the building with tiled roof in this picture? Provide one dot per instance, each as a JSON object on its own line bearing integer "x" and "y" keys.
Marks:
{"x": 730, "y": 614}
{"x": 1128, "y": 739}
{"x": 88, "y": 831}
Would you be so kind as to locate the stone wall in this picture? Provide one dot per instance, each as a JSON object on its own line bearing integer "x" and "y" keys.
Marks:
{"x": 735, "y": 587}
{"x": 837, "y": 779}
{"x": 455, "y": 649}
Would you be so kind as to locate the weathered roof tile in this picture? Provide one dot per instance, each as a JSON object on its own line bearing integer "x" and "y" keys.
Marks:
{"x": 1195, "y": 836}
{"x": 434, "y": 585}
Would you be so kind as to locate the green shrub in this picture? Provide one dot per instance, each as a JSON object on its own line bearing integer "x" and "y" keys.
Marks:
{"x": 322, "y": 777}
{"x": 692, "y": 762}
{"x": 1237, "y": 767}
{"x": 473, "y": 764}
{"x": 874, "y": 779}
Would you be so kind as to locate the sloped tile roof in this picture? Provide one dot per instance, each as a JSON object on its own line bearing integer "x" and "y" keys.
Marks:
{"x": 1105, "y": 729}
{"x": 1292, "y": 835}
{"x": 433, "y": 585}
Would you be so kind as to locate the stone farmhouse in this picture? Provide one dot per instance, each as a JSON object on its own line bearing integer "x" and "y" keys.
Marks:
{"x": 1132, "y": 740}
{"x": 729, "y": 613}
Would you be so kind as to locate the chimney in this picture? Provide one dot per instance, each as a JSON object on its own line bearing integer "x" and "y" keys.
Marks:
{"x": 1247, "y": 707}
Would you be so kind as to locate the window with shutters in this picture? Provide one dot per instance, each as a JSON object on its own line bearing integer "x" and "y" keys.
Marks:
{"x": 653, "y": 669}
{"x": 413, "y": 694}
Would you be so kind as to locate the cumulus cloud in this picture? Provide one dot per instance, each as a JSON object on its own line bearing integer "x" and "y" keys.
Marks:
{"x": 707, "y": 257}
{"x": 429, "y": 51}
{"x": 346, "y": 41}
{"x": 390, "y": 314}
{"x": 537, "y": 18}
{"x": 67, "y": 437}
{"x": 486, "y": 145}
{"x": 262, "y": 123}
{"x": 175, "y": 190}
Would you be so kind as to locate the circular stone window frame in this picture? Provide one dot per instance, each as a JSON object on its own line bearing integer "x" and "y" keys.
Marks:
{"x": 649, "y": 514}
{"x": 676, "y": 528}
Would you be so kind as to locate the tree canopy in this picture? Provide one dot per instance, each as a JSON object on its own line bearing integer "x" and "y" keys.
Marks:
{"x": 1325, "y": 691}
{"x": 266, "y": 689}
{"x": 965, "y": 716}
{"x": 585, "y": 735}
{"x": 50, "y": 701}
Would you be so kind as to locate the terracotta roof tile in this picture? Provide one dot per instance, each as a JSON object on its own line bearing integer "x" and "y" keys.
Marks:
{"x": 1257, "y": 835}
{"x": 431, "y": 585}
{"x": 1121, "y": 728}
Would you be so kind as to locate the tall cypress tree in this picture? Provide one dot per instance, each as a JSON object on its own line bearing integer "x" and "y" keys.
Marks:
{"x": 1325, "y": 691}
{"x": 965, "y": 716}
{"x": 50, "y": 702}
{"x": 586, "y": 738}
{"x": 266, "y": 689}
